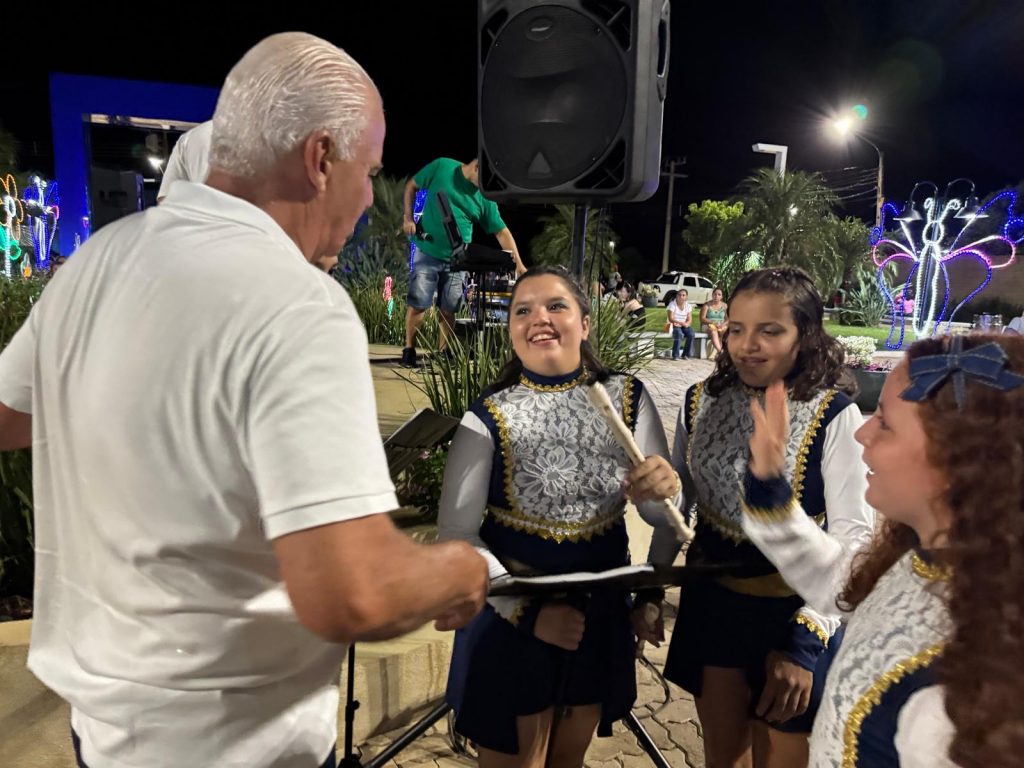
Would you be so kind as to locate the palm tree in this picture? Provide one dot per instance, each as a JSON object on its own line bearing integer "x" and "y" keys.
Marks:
{"x": 788, "y": 220}
{"x": 554, "y": 244}
{"x": 378, "y": 246}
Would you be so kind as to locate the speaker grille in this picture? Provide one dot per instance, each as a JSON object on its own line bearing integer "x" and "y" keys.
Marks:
{"x": 553, "y": 92}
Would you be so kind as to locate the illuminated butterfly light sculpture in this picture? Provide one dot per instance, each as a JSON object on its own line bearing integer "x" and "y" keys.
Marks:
{"x": 938, "y": 230}
{"x": 43, "y": 208}
{"x": 12, "y": 214}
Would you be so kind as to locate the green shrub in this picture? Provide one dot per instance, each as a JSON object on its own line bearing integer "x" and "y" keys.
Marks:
{"x": 864, "y": 304}
{"x": 16, "y": 555}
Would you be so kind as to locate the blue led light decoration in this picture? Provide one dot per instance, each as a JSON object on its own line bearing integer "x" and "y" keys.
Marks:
{"x": 937, "y": 230}
{"x": 418, "y": 204}
{"x": 42, "y": 206}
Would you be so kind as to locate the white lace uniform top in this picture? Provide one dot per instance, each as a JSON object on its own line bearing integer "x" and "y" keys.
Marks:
{"x": 896, "y": 631}
{"x": 563, "y": 469}
{"x": 715, "y": 457}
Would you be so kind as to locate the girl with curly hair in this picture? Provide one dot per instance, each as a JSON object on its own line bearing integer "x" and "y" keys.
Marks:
{"x": 929, "y": 675}
{"x": 746, "y": 645}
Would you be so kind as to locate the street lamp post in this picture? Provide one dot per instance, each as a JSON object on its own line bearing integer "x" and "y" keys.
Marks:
{"x": 845, "y": 127}
{"x": 779, "y": 150}
{"x": 672, "y": 176}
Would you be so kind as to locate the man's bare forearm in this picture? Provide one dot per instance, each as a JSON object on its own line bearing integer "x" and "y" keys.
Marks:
{"x": 433, "y": 580}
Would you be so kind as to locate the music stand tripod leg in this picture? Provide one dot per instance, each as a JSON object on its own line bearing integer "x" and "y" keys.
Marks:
{"x": 646, "y": 742}
{"x": 350, "y": 759}
{"x": 409, "y": 736}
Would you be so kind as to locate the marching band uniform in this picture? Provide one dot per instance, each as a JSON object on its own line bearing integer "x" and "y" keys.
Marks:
{"x": 533, "y": 480}
{"x": 882, "y": 706}
{"x": 735, "y": 620}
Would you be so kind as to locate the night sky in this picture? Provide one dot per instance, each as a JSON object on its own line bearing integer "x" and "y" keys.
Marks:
{"x": 943, "y": 80}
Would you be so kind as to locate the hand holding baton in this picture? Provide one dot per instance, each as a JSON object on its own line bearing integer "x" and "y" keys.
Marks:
{"x": 599, "y": 398}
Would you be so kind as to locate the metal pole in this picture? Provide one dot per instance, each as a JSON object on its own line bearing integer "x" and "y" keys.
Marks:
{"x": 668, "y": 216}
{"x": 579, "y": 241}
{"x": 879, "y": 199}
{"x": 879, "y": 202}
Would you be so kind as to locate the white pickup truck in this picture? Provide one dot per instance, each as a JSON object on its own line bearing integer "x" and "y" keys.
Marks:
{"x": 698, "y": 288}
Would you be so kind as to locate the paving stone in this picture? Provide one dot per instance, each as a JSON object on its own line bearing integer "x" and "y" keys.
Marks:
{"x": 675, "y": 757}
{"x": 680, "y": 710}
{"x": 659, "y": 733}
{"x": 455, "y": 761}
{"x": 621, "y": 742}
{"x": 614, "y": 763}
{"x": 690, "y": 740}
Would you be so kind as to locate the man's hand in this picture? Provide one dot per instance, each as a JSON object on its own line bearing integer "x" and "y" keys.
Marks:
{"x": 459, "y": 615}
{"x": 409, "y": 227}
{"x": 771, "y": 432}
{"x": 560, "y": 625}
{"x": 648, "y": 623}
{"x": 787, "y": 690}
{"x": 653, "y": 480}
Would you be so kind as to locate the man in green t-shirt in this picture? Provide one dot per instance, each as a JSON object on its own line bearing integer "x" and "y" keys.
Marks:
{"x": 431, "y": 263}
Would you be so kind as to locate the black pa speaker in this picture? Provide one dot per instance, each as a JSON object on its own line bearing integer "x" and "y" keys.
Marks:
{"x": 571, "y": 96}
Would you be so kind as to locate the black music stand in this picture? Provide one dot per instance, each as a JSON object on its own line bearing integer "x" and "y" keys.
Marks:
{"x": 629, "y": 578}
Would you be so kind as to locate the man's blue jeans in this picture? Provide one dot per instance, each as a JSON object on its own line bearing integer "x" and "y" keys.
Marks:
{"x": 677, "y": 335}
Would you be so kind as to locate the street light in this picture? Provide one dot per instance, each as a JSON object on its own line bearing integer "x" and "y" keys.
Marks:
{"x": 846, "y": 127}
{"x": 779, "y": 150}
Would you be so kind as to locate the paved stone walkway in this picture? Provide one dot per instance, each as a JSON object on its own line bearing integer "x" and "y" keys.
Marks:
{"x": 673, "y": 725}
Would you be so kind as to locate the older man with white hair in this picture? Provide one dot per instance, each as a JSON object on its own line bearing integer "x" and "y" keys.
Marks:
{"x": 210, "y": 487}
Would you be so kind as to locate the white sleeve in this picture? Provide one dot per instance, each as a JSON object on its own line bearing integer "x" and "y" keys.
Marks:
{"x": 309, "y": 422}
{"x": 17, "y": 367}
{"x": 664, "y": 544}
{"x": 815, "y": 563}
{"x": 467, "y": 477}
{"x": 650, "y": 436}
{"x": 924, "y": 731}
{"x": 175, "y": 169}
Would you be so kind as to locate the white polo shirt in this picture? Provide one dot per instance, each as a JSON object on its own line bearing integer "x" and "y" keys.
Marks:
{"x": 197, "y": 388}
{"x": 190, "y": 158}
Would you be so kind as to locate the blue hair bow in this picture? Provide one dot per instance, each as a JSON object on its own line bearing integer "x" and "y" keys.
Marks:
{"x": 985, "y": 364}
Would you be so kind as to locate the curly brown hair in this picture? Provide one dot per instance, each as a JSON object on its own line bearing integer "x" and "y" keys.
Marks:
{"x": 820, "y": 363}
{"x": 979, "y": 450}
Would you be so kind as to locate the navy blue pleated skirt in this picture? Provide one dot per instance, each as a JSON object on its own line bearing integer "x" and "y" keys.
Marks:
{"x": 500, "y": 672}
{"x": 720, "y": 628}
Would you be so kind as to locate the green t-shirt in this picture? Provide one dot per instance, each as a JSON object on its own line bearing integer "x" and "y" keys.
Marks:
{"x": 468, "y": 205}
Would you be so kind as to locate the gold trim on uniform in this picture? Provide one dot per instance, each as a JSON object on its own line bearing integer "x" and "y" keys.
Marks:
{"x": 805, "y": 446}
{"x": 930, "y": 571}
{"x": 517, "y": 614}
{"x": 544, "y": 528}
{"x": 812, "y": 627}
{"x": 627, "y": 403}
{"x": 873, "y": 697}
{"x": 723, "y": 525}
{"x": 506, "y": 446}
{"x": 698, "y": 390}
{"x": 565, "y": 387}
{"x": 770, "y": 514}
{"x": 769, "y": 585}
{"x": 555, "y": 530}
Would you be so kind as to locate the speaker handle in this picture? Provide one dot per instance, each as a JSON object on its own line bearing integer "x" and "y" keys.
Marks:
{"x": 664, "y": 38}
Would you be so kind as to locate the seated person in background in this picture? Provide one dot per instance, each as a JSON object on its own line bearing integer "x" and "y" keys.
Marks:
{"x": 631, "y": 305}
{"x": 714, "y": 319}
{"x": 680, "y": 319}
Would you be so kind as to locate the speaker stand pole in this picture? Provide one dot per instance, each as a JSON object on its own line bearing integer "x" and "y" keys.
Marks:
{"x": 579, "y": 243}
